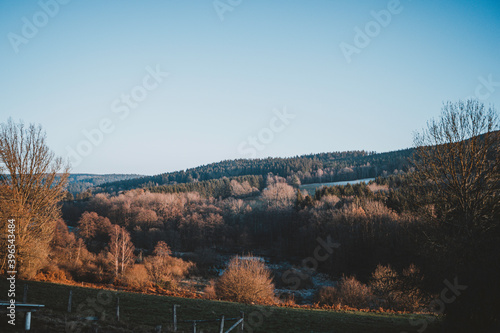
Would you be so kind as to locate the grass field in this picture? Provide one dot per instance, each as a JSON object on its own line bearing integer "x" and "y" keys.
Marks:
{"x": 142, "y": 313}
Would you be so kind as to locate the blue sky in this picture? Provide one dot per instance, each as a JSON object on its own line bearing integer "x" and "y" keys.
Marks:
{"x": 229, "y": 79}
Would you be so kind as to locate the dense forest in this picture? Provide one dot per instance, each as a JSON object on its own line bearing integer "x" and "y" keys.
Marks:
{"x": 279, "y": 221}
{"x": 313, "y": 168}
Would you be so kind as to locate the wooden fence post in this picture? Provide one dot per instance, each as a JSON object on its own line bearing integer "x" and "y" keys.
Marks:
{"x": 27, "y": 321}
{"x": 221, "y": 330}
{"x": 70, "y": 299}
{"x": 175, "y": 316}
{"x": 242, "y": 320}
{"x": 25, "y": 294}
{"x": 118, "y": 308}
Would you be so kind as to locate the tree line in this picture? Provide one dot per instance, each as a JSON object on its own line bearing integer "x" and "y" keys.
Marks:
{"x": 324, "y": 167}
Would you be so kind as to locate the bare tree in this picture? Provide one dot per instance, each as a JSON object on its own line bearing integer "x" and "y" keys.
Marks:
{"x": 32, "y": 181}
{"x": 163, "y": 269}
{"x": 242, "y": 189}
{"x": 279, "y": 196}
{"x": 457, "y": 182}
{"x": 157, "y": 265}
{"x": 162, "y": 250}
{"x": 121, "y": 249}
{"x": 457, "y": 167}
{"x": 91, "y": 224}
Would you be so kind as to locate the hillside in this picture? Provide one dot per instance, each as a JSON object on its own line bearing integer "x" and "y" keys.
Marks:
{"x": 312, "y": 168}
{"x": 80, "y": 182}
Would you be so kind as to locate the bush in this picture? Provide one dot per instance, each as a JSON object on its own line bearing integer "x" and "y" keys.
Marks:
{"x": 163, "y": 269}
{"x": 397, "y": 292}
{"x": 349, "y": 292}
{"x": 385, "y": 284}
{"x": 412, "y": 299}
{"x": 246, "y": 280}
{"x": 210, "y": 290}
{"x": 136, "y": 276}
{"x": 178, "y": 268}
{"x": 53, "y": 273}
{"x": 353, "y": 293}
{"x": 327, "y": 296}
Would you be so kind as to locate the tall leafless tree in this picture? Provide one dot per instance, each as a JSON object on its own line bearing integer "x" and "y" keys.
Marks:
{"x": 32, "y": 181}
{"x": 457, "y": 179}
{"x": 457, "y": 166}
{"x": 121, "y": 249}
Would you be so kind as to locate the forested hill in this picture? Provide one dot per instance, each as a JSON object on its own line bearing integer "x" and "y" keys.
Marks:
{"x": 323, "y": 167}
{"x": 80, "y": 182}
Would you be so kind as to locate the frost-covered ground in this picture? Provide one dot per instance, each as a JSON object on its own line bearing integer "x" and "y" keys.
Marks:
{"x": 307, "y": 295}
{"x": 285, "y": 276}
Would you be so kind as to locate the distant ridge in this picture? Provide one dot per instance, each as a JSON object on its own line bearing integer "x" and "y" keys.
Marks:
{"x": 310, "y": 168}
{"x": 80, "y": 182}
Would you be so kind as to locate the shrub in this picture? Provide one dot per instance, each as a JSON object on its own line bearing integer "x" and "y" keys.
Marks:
{"x": 210, "y": 290}
{"x": 413, "y": 298}
{"x": 53, "y": 273}
{"x": 327, "y": 296}
{"x": 178, "y": 268}
{"x": 396, "y": 292}
{"x": 353, "y": 293}
{"x": 246, "y": 280}
{"x": 136, "y": 276}
{"x": 163, "y": 269}
{"x": 386, "y": 285}
{"x": 349, "y": 292}
{"x": 384, "y": 280}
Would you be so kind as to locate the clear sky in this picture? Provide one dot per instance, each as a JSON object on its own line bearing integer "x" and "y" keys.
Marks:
{"x": 245, "y": 77}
